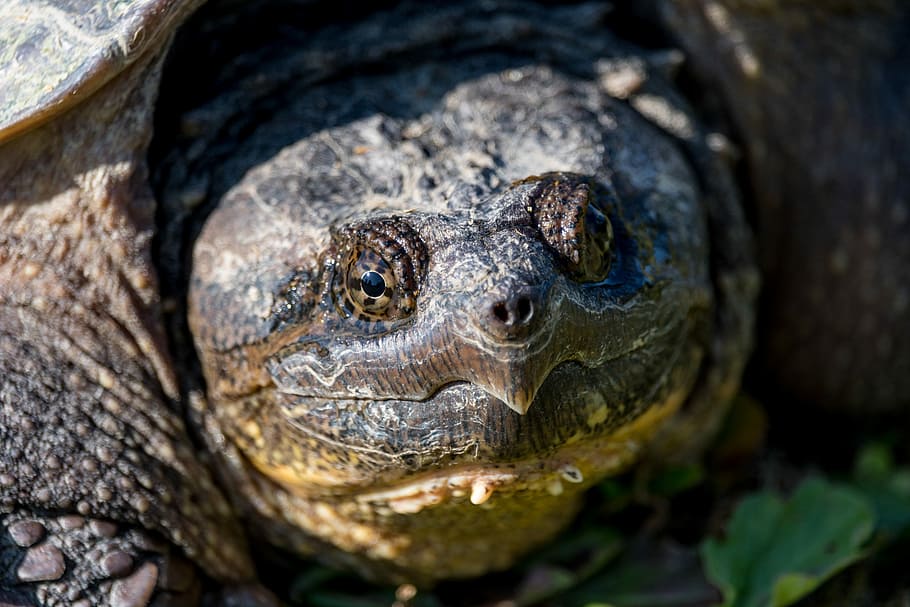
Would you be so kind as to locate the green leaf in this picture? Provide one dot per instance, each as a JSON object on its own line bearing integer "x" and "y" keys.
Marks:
{"x": 673, "y": 480}
{"x": 886, "y": 486}
{"x": 791, "y": 587}
{"x": 568, "y": 563}
{"x": 776, "y": 552}
{"x": 874, "y": 463}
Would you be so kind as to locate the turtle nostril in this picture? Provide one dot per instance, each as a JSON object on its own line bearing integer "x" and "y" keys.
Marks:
{"x": 525, "y": 310}
{"x": 501, "y": 312}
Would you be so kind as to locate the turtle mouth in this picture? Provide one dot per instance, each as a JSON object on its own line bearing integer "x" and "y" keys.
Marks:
{"x": 327, "y": 444}
{"x": 464, "y": 422}
{"x": 471, "y": 421}
{"x": 461, "y": 421}
{"x": 478, "y": 470}
{"x": 514, "y": 391}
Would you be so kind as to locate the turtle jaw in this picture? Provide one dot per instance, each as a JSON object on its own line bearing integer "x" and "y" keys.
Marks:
{"x": 454, "y": 485}
{"x": 339, "y": 445}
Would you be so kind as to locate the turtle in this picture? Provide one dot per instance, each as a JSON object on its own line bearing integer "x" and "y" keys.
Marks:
{"x": 394, "y": 285}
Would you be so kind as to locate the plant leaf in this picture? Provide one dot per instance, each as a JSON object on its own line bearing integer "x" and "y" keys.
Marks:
{"x": 791, "y": 587}
{"x": 776, "y": 552}
{"x": 886, "y": 485}
{"x": 648, "y": 574}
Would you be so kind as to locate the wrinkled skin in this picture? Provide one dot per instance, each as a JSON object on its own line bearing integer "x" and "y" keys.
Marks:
{"x": 109, "y": 496}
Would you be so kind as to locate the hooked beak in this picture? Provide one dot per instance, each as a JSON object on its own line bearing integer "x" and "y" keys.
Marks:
{"x": 516, "y": 385}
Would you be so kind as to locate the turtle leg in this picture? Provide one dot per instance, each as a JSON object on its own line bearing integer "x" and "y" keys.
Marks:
{"x": 101, "y": 498}
{"x": 91, "y": 425}
{"x": 69, "y": 559}
{"x": 79, "y": 561}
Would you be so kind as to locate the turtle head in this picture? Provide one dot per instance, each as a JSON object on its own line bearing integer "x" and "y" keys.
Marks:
{"x": 493, "y": 331}
{"x": 399, "y": 324}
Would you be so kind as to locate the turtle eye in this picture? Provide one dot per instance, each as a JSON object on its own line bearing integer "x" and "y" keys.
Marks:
{"x": 369, "y": 285}
{"x": 380, "y": 266}
{"x": 598, "y": 237}
{"x": 569, "y": 211}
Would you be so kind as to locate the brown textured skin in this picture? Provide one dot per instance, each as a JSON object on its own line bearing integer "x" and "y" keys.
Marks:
{"x": 818, "y": 92}
{"x": 89, "y": 428}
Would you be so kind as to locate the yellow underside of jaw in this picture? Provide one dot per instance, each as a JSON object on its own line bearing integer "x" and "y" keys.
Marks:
{"x": 459, "y": 521}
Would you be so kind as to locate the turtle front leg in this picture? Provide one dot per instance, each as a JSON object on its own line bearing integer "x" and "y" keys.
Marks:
{"x": 101, "y": 498}
{"x": 91, "y": 428}
{"x": 83, "y": 562}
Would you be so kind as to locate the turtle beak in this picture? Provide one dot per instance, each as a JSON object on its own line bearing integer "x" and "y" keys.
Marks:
{"x": 516, "y": 385}
{"x": 518, "y": 400}
{"x": 511, "y": 325}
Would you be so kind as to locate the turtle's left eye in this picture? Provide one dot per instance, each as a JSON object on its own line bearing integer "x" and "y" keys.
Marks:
{"x": 369, "y": 285}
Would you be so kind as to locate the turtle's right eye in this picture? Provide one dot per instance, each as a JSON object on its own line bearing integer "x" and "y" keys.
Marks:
{"x": 381, "y": 271}
{"x": 596, "y": 256}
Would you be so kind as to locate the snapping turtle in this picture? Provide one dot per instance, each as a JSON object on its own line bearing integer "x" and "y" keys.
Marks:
{"x": 448, "y": 268}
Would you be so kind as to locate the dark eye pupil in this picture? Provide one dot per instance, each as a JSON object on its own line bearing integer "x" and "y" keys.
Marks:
{"x": 372, "y": 283}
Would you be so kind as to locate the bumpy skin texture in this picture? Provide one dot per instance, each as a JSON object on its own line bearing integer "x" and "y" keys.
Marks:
{"x": 550, "y": 303}
{"x": 75, "y": 561}
{"x": 100, "y": 488}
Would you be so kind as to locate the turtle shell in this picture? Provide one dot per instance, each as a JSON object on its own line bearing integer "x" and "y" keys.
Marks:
{"x": 54, "y": 53}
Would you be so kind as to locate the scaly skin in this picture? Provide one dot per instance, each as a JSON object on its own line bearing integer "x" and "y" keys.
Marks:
{"x": 100, "y": 488}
